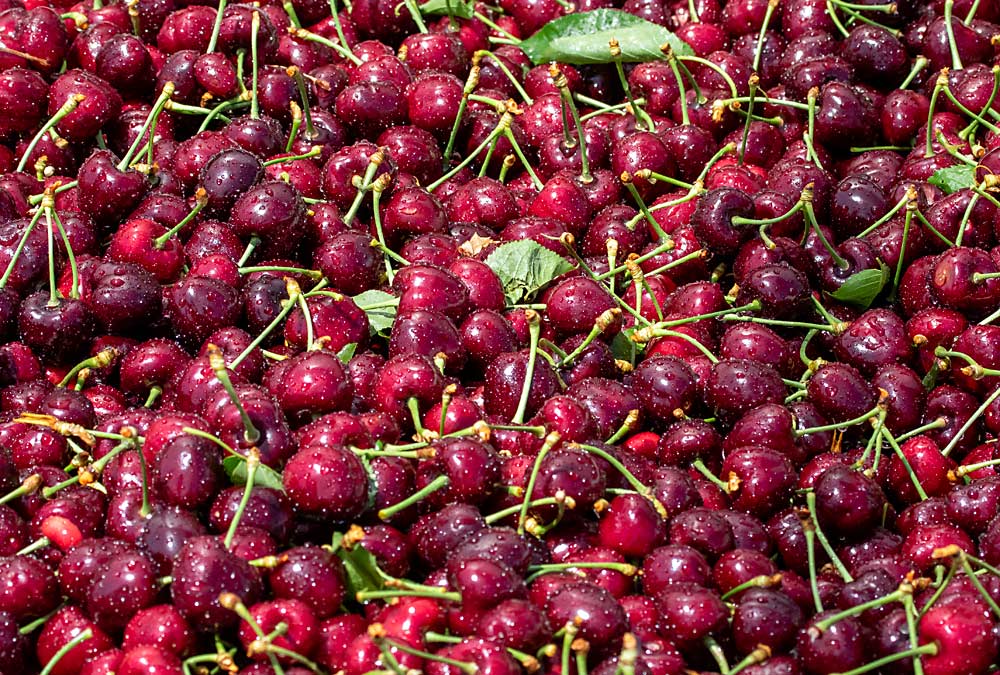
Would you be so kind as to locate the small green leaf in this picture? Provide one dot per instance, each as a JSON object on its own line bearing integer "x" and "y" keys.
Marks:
{"x": 236, "y": 468}
{"x": 347, "y": 352}
{"x": 525, "y": 267}
{"x": 954, "y": 178}
{"x": 863, "y": 287}
{"x": 456, "y": 8}
{"x": 360, "y": 566}
{"x": 584, "y": 38}
{"x": 622, "y": 346}
{"x": 380, "y": 308}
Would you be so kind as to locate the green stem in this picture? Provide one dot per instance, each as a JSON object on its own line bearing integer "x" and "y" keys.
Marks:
{"x": 69, "y": 106}
{"x": 534, "y": 331}
{"x": 437, "y": 484}
{"x": 823, "y": 541}
{"x": 79, "y": 639}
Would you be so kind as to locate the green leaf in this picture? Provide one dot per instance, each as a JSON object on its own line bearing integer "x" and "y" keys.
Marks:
{"x": 380, "y": 308}
{"x": 954, "y": 178}
{"x": 525, "y": 267}
{"x": 236, "y": 468}
{"x": 347, "y": 353}
{"x": 863, "y": 287}
{"x": 583, "y": 38}
{"x": 622, "y": 346}
{"x": 360, "y": 566}
{"x": 456, "y": 8}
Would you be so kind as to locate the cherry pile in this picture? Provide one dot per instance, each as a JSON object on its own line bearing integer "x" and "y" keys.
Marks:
{"x": 387, "y": 339}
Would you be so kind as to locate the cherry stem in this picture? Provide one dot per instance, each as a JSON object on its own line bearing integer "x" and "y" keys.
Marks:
{"x": 600, "y": 325}
{"x": 551, "y": 441}
{"x": 438, "y": 483}
{"x": 232, "y": 602}
{"x": 214, "y": 439}
{"x": 28, "y": 486}
{"x": 148, "y": 126}
{"x": 762, "y": 581}
{"x": 77, "y": 640}
{"x": 363, "y": 184}
{"x": 811, "y": 130}
{"x": 218, "y": 363}
{"x": 681, "y": 58}
{"x": 253, "y": 463}
{"x": 717, "y": 653}
{"x": 823, "y": 541}
{"x": 378, "y": 187}
{"x": 560, "y": 499}
{"x": 699, "y": 466}
{"x": 541, "y": 570}
{"x": 896, "y": 596}
{"x": 309, "y": 36}
{"x": 102, "y": 359}
{"x": 809, "y": 531}
{"x": 730, "y": 314}
{"x": 764, "y": 222}
{"x": 287, "y": 306}
{"x": 906, "y": 199}
{"x": 559, "y": 79}
{"x": 216, "y": 27}
{"x": 463, "y": 666}
{"x": 616, "y": 464}
{"x": 987, "y": 402}
{"x": 631, "y": 419}
{"x": 471, "y": 83}
{"x": 668, "y": 52}
{"x": 633, "y": 105}
{"x": 887, "y": 435}
{"x": 36, "y": 545}
{"x": 753, "y": 82}
{"x": 923, "y": 650}
{"x": 201, "y": 199}
{"x": 69, "y": 106}
{"x": 534, "y": 331}
{"x": 799, "y": 433}
{"x": 956, "y": 60}
{"x": 54, "y": 294}
{"x": 976, "y": 117}
{"x": 255, "y": 64}
{"x": 627, "y": 180}
{"x": 70, "y": 256}
{"x": 838, "y": 259}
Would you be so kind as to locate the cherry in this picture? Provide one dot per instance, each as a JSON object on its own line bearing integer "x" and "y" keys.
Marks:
{"x": 766, "y": 617}
{"x": 331, "y": 481}
{"x": 67, "y": 624}
{"x": 840, "y": 393}
{"x": 627, "y": 515}
{"x": 160, "y": 626}
{"x": 126, "y": 585}
{"x": 956, "y": 632}
{"x": 599, "y": 617}
{"x": 57, "y": 330}
{"x": 505, "y": 380}
{"x": 101, "y": 104}
{"x": 841, "y": 491}
{"x": 107, "y": 192}
{"x": 204, "y": 569}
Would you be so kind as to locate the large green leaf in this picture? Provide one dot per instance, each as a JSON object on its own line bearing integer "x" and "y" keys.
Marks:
{"x": 461, "y": 9}
{"x": 863, "y": 287}
{"x": 380, "y": 308}
{"x": 584, "y": 38}
{"x": 525, "y": 267}
{"x": 236, "y": 468}
{"x": 360, "y": 566}
{"x": 954, "y": 178}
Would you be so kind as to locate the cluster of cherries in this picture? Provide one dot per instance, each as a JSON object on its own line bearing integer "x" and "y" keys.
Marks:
{"x": 347, "y": 339}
